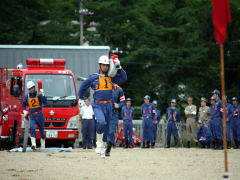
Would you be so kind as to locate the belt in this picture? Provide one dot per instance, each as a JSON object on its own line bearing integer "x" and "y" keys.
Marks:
{"x": 35, "y": 112}
{"x": 127, "y": 120}
{"x": 87, "y": 119}
{"x": 217, "y": 117}
{"x": 103, "y": 101}
{"x": 172, "y": 121}
{"x": 147, "y": 117}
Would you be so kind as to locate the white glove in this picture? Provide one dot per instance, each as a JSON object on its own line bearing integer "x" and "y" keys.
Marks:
{"x": 5, "y": 118}
{"x": 81, "y": 102}
{"x": 41, "y": 92}
{"x": 117, "y": 62}
{"x": 116, "y": 105}
{"x": 25, "y": 113}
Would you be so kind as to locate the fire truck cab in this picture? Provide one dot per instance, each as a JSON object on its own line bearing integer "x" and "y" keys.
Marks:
{"x": 61, "y": 112}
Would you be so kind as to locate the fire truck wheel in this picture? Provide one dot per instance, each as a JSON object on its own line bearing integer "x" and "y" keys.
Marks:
{"x": 12, "y": 136}
{"x": 69, "y": 144}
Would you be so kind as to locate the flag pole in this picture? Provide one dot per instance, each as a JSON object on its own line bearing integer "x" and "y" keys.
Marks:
{"x": 222, "y": 76}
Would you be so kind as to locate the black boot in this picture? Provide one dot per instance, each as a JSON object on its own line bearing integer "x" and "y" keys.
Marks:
{"x": 213, "y": 144}
{"x": 126, "y": 144}
{"x": 208, "y": 145}
{"x": 216, "y": 145}
{"x": 168, "y": 145}
{"x": 202, "y": 145}
{"x": 236, "y": 144}
{"x": 107, "y": 152}
{"x": 220, "y": 145}
{"x": 152, "y": 144}
{"x": 176, "y": 144}
{"x": 188, "y": 144}
{"x": 229, "y": 144}
{"x": 143, "y": 145}
{"x": 196, "y": 144}
{"x": 148, "y": 144}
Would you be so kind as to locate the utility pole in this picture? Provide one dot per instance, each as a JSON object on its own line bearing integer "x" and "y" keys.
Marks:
{"x": 81, "y": 13}
{"x": 81, "y": 21}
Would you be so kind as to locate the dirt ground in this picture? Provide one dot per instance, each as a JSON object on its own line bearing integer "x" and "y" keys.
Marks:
{"x": 158, "y": 163}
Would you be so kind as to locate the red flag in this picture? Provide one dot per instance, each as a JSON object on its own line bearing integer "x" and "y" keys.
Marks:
{"x": 221, "y": 17}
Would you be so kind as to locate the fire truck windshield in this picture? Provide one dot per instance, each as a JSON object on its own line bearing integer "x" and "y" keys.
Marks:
{"x": 56, "y": 86}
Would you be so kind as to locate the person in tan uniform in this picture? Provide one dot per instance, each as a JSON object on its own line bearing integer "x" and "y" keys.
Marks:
{"x": 204, "y": 111}
{"x": 191, "y": 114}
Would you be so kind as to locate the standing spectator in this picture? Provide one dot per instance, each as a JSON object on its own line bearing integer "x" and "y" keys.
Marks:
{"x": 216, "y": 120}
{"x": 173, "y": 116}
{"x": 79, "y": 139}
{"x": 88, "y": 124}
{"x": 118, "y": 102}
{"x": 229, "y": 115}
{"x": 236, "y": 123}
{"x": 204, "y": 134}
{"x": 148, "y": 113}
{"x": 204, "y": 112}
{"x": 191, "y": 113}
{"x": 155, "y": 123}
{"x": 127, "y": 116}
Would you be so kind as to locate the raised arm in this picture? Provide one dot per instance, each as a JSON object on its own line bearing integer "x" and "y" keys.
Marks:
{"x": 120, "y": 77}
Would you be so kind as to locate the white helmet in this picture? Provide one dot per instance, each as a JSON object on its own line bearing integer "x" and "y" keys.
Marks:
{"x": 30, "y": 84}
{"x": 19, "y": 66}
{"x": 103, "y": 60}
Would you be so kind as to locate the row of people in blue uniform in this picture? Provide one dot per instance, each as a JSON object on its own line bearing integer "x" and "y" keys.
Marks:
{"x": 232, "y": 121}
{"x": 206, "y": 135}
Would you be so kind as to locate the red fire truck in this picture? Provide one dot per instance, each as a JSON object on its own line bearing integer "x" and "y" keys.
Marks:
{"x": 61, "y": 113}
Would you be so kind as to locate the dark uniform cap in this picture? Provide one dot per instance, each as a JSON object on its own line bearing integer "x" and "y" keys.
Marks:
{"x": 234, "y": 99}
{"x": 216, "y": 91}
{"x": 147, "y": 97}
{"x": 200, "y": 121}
{"x": 155, "y": 102}
{"x": 128, "y": 99}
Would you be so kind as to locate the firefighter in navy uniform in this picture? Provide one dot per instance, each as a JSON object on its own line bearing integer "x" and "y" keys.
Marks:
{"x": 235, "y": 122}
{"x": 229, "y": 115}
{"x": 155, "y": 123}
{"x": 173, "y": 116}
{"x": 102, "y": 85}
{"x": 118, "y": 102}
{"x": 148, "y": 114}
{"x": 34, "y": 101}
{"x": 127, "y": 114}
{"x": 204, "y": 135}
{"x": 216, "y": 120}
